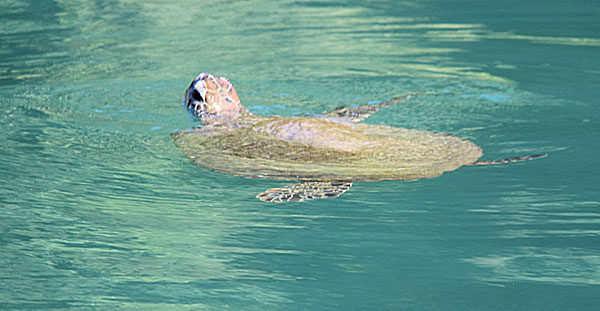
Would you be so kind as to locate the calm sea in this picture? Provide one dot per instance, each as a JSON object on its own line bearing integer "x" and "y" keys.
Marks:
{"x": 100, "y": 211}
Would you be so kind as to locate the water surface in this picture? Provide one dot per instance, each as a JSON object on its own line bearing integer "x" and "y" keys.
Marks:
{"x": 100, "y": 211}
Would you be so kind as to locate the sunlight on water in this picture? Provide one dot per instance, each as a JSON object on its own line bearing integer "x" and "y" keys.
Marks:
{"x": 100, "y": 210}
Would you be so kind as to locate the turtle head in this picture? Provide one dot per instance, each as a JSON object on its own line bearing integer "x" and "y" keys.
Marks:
{"x": 213, "y": 100}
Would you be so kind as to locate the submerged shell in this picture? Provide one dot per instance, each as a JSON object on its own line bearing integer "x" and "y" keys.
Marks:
{"x": 396, "y": 154}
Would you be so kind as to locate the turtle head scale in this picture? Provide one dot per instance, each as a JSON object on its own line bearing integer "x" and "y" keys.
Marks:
{"x": 213, "y": 100}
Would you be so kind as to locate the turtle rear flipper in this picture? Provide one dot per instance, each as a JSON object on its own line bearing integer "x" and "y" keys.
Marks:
{"x": 509, "y": 160}
{"x": 306, "y": 190}
{"x": 359, "y": 113}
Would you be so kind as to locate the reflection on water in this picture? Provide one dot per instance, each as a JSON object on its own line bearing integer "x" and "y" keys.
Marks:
{"x": 100, "y": 210}
{"x": 566, "y": 266}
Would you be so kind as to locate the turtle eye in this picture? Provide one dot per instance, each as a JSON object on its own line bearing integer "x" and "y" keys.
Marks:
{"x": 196, "y": 96}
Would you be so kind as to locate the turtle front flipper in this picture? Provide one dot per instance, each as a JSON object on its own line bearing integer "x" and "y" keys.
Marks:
{"x": 359, "y": 113}
{"x": 306, "y": 190}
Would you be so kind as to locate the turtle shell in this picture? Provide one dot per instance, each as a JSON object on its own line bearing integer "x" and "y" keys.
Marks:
{"x": 396, "y": 154}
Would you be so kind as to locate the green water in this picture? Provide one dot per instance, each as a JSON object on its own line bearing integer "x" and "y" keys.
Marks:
{"x": 100, "y": 211}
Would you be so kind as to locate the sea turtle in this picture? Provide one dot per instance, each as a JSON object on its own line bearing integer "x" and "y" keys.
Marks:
{"x": 324, "y": 153}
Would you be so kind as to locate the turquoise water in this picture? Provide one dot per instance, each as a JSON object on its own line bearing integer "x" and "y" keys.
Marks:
{"x": 100, "y": 211}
